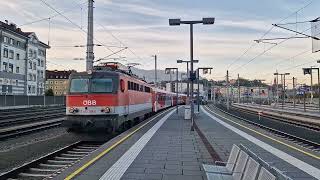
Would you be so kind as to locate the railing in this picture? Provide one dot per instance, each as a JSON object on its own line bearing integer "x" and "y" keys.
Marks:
{"x": 23, "y": 100}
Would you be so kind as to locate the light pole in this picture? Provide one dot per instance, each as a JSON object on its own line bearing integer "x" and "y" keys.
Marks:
{"x": 283, "y": 79}
{"x": 309, "y": 71}
{"x": 155, "y": 70}
{"x": 187, "y": 62}
{"x": 90, "y": 53}
{"x": 178, "y": 22}
{"x": 277, "y": 82}
{"x": 318, "y": 61}
{"x": 168, "y": 70}
{"x": 205, "y": 71}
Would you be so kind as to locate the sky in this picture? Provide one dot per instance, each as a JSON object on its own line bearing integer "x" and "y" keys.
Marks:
{"x": 142, "y": 26}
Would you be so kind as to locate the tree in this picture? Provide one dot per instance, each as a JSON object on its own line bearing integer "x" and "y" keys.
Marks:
{"x": 49, "y": 92}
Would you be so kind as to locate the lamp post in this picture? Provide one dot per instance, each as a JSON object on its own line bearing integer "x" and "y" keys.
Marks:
{"x": 318, "y": 61}
{"x": 205, "y": 71}
{"x": 167, "y": 71}
{"x": 187, "y": 62}
{"x": 309, "y": 71}
{"x": 283, "y": 78}
{"x": 178, "y": 22}
{"x": 155, "y": 71}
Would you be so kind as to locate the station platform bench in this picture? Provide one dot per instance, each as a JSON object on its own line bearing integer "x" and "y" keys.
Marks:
{"x": 243, "y": 164}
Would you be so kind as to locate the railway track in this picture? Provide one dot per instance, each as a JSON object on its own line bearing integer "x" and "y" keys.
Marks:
{"x": 23, "y": 121}
{"x": 310, "y": 125}
{"x": 307, "y": 139}
{"x": 9, "y": 118}
{"x": 51, "y": 164}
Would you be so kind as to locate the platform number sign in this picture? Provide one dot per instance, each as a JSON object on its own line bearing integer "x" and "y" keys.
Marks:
{"x": 89, "y": 102}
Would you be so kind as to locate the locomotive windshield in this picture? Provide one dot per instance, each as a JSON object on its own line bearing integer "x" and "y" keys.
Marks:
{"x": 101, "y": 85}
{"x": 94, "y": 85}
{"x": 79, "y": 85}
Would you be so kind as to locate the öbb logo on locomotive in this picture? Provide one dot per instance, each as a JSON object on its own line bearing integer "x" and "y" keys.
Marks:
{"x": 89, "y": 102}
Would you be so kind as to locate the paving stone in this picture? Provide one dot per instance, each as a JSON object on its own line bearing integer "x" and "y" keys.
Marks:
{"x": 182, "y": 177}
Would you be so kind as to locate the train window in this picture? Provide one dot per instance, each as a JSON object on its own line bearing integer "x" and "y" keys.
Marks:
{"x": 122, "y": 85}
{"x": 129, "y": 85}
{"x": 132, "y": 85}
{"x": 141, "y": 88}
{"x": 147, "y": 89}
{"x": 101, "y": 85}
{"x": 79, "y": 85}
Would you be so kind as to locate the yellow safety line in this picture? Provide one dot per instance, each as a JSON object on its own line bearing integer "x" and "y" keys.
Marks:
{"x": 75, "y": 173}
{"x": 280, "y": 142}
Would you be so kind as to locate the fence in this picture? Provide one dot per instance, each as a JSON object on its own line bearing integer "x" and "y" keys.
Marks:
{"x": 22, "y": 100}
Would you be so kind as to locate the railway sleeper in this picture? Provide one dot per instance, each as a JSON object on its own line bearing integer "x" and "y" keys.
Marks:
{"x": 77, "y": 152}
{"x": 82, "y": 149}
{"x": 71, "y": 155}
{"x": 31, "y": 175}
{"x": 66, "y": 158}
{"x": 41, "y": 171}
{"x": 60, "y": 162}
{"x": 53, "y": 166}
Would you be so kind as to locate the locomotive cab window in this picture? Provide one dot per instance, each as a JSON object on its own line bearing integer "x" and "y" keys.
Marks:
{"x": 104, "y": 85}
{"x": 79, "y": 85}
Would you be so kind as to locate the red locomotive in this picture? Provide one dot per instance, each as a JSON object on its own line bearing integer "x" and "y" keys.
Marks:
{"x": 111, "y": 97}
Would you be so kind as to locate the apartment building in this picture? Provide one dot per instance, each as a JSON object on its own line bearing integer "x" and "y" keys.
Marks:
{"x": 58, "y": 81}
{"x": 22, "y": 61}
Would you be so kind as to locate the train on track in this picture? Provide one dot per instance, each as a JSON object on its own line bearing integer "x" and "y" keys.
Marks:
{"x": 110, "y": 97}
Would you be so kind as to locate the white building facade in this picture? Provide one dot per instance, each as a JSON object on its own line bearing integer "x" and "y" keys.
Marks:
{"x": 22, "y": 62}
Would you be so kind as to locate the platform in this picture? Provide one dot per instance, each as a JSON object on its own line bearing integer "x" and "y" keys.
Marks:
{"x": 165, "y": 148}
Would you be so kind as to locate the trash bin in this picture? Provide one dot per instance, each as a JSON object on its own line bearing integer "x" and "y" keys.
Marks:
{"x": 187, "y": 112}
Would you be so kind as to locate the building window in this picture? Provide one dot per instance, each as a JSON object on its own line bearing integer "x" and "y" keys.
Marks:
{"x": 11, "y": 41}
{"x": 5, "y": 66}
{"x": 5, "y": 39}
{"x": 34, "y": 66}
{"x": 11, "y": 68}
{"x": 17, "y": 69}
{"x": 34, "y": 78}
{"x": 18, "y": 56}
{"x": 33, "y": 89}
{"x": 9, "y": 88}
{"x": 30, "y": 65}
{"x": 29, "y": 89}
{"x": 5, "y": 53}
{"x": 42, "y": 64}
{"x": 38, "y": 62}
{"x": 30, "y": 53}
{"x": 17, "y": 82}
{"x": 41, "y": 74}
{"x": 11, "y": 54}
{"x": 30, "y": 77}
{"x": 18, "y": 43}
{"x": 35, "y": 53}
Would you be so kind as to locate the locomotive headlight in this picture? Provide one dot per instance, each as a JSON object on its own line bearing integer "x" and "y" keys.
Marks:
{"x": 106, "y": 110}
{"x": 73, "y": 110}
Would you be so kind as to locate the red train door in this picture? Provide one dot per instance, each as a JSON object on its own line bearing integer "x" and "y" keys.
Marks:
{"x": 125, "y": 96}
